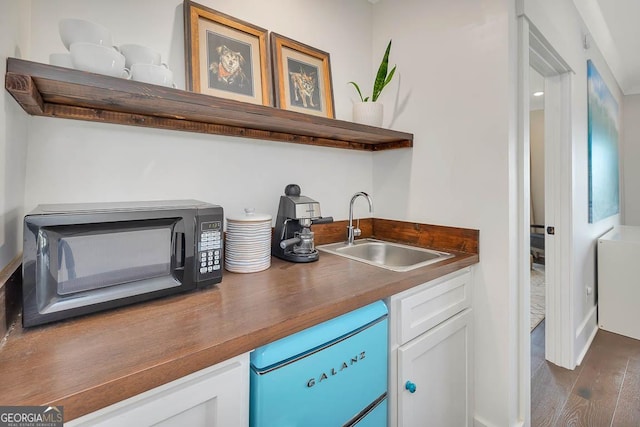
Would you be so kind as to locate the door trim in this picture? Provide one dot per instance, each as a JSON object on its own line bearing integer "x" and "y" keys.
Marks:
{"x": 535, "y": 51}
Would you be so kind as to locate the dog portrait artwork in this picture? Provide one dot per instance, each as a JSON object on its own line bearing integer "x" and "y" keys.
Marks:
{"x": 303, "y": 85}
{"x": 229, "y": 66}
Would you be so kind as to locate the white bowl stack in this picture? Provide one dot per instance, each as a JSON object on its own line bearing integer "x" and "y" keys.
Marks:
{"x": 248, "y": 242}
{"x": 91, "y": 49}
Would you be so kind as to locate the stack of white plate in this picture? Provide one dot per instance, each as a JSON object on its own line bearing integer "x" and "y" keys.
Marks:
{"x": 248, "y": 242}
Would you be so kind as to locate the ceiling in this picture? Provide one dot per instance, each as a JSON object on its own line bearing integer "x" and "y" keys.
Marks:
{"x": 614, "y": 28}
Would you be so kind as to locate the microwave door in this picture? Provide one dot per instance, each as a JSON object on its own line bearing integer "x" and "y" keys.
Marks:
{"x": 112, "y": 258}
{"x": 84, "y": 265}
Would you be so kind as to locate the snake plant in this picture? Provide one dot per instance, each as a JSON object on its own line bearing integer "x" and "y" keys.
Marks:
{"x": 382, "y": 77}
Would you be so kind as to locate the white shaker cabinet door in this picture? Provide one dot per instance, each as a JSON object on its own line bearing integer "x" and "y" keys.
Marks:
{"x": 434, "y": 376}
{"x": 217, "y": 396}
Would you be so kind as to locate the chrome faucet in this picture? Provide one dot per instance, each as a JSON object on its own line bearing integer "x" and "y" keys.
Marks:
{"x": 353, "y": 232}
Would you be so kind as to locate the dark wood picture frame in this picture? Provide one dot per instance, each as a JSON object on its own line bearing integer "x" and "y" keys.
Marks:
{"x": 302, "y": 77}
{"x": 225, "y": 56}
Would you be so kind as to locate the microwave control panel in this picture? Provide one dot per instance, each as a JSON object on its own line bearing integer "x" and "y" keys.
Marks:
{"x": 209, "y": 257}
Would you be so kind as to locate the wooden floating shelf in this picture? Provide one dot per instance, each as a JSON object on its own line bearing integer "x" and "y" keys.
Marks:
{"x": 50, "y": 91}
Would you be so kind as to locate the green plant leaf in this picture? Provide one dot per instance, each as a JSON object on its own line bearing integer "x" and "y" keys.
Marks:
{"x": 389, "y": 77}
{"x": 381, "y": 77}
{"x": 359, "y": 93}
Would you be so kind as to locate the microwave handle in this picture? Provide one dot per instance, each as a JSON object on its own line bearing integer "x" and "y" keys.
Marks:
{"x": 179, "y": 249}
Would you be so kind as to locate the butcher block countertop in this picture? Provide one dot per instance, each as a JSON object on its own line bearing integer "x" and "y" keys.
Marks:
{"x": 94, "y": 361}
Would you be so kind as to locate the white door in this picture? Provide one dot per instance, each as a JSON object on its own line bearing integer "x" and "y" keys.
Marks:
{"x": 434, "y": 376}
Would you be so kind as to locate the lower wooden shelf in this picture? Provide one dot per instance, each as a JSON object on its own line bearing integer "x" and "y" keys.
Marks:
{"x": 46, "y": 90}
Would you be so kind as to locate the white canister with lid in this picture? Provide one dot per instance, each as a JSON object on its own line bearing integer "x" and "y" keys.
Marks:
{"x": 248, "y": 242}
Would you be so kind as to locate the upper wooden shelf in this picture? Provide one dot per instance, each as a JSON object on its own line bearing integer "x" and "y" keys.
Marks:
{"x": 46, "y": 90}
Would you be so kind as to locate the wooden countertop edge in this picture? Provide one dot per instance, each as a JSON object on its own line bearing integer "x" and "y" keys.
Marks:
{"x": 108, "y": 393}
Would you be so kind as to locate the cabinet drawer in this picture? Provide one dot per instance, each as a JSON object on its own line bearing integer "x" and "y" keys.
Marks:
{"x": 427, "y": 308}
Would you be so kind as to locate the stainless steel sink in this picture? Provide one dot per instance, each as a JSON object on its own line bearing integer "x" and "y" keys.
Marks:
{"x": 392, "y": 256}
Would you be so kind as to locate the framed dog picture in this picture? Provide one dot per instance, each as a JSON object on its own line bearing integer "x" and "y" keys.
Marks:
{"x": 302, "y": 77}
{"x": 225, "y": 57}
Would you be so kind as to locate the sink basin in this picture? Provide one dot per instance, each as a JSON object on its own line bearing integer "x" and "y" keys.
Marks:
{"x": 392, "y": 256}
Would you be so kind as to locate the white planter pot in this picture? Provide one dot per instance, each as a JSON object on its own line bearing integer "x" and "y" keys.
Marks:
{"x": 368, "y": 113}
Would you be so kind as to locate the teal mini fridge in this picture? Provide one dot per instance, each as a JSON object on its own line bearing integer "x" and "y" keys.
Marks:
{"x": 332, "y": 374}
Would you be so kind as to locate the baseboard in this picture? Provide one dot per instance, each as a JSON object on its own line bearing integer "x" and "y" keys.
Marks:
{"x": 586, "y": 332}
{"x": 479, "y": 422}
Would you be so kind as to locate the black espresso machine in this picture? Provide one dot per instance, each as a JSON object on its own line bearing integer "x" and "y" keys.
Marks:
{"x": 293, "y": 238}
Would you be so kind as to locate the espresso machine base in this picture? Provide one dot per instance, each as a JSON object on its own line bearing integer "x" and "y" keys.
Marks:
{"x": 293, "y": 257}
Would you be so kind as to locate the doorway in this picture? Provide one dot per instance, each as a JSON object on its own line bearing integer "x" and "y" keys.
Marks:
{"x": 536, "y": 53}
{"x": 537, "y": 201}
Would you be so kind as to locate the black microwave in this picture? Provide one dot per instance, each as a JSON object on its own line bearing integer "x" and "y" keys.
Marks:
{"x": 82, "y": 258}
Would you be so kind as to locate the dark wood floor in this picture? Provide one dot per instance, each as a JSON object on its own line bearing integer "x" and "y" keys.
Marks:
{"x": 603, "y": 391}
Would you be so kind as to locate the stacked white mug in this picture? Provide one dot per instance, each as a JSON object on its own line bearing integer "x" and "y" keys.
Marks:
{"x": 91, "y": 49}
{"x": 146, "y": 66}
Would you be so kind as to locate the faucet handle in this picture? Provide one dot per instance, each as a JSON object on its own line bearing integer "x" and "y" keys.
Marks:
{"x": 356, "y": 231}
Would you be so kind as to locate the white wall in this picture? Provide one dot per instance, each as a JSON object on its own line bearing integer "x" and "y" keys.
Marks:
{"x": 14, "y": 41}
{"x": 71, "y": 161}
{"x": 631, "y": 158}
{"x": 455, "y": 91}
